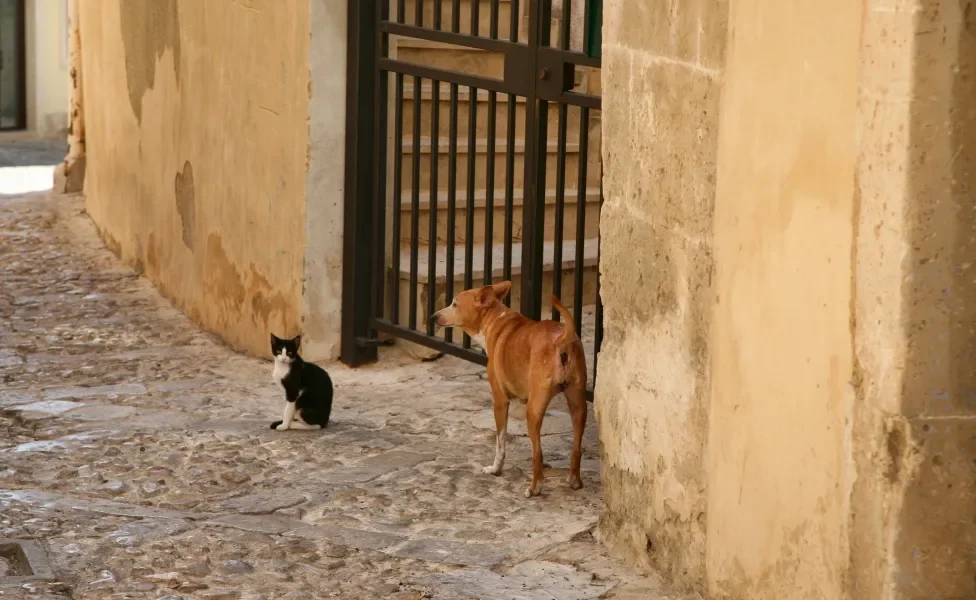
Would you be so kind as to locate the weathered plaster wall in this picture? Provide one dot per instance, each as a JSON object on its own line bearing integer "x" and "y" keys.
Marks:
{"x": 662, "y": 76}
{"x": 779, "y": 474}
{"x": 197, "y": 142}
{"x": 913, "y": 533}
{"x": 825, "y": 370}
{"x": 326, "y": 179}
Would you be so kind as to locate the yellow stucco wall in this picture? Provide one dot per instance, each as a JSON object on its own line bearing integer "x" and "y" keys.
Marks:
{"x": 786, "y": 386}
{"x": 779, "y": 476}
{"x": 662, "y": 75}
{"x": 197, "y": 136}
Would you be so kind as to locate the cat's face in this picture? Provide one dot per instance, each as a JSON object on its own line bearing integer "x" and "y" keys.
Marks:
{"x": 285, "y": 350}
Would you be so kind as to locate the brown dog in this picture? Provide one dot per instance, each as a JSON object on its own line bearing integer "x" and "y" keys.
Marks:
{"x": 529, "y": 360}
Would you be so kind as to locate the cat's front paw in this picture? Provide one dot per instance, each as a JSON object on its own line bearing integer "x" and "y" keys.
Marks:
{"x": 275, "y": 425}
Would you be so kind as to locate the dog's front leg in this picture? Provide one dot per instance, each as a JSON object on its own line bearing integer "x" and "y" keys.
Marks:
{"x": 500, "y": 405}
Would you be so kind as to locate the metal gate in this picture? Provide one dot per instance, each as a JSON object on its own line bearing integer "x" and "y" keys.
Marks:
{"x": 426, "y": 187}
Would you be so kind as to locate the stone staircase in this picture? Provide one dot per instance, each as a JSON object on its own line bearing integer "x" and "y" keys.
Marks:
{"x": 488, "y": 64}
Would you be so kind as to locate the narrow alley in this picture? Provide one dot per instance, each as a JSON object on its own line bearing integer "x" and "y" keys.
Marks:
{"x": 136, "y": 449}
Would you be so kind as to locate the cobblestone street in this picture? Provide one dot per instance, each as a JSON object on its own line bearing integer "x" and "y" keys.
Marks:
{"x": 136, "y": 449}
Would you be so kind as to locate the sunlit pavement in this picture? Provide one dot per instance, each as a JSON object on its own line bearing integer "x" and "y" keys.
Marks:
{"x": 25, "y": 180}
{"x": 27, "y": 166}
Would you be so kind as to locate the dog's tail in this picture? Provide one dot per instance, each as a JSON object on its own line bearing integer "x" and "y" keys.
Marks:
{"x": 569, "y": 326}
{"x": 567, "y": 354}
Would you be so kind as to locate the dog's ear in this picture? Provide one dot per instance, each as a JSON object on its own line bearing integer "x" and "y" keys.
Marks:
{"x": 486, "y": 296}
{"x": 502, "y": 289}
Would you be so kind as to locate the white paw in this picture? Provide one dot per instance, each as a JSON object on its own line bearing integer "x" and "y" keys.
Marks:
{"x": 282, "y": 427}
{"x": 492, "y": 470}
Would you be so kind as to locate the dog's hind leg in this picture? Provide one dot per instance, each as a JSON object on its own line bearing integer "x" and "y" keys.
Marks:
{"x": 576, "y": 400}
{"x": 500, "y": 402}
{"x": 535, "y": 411}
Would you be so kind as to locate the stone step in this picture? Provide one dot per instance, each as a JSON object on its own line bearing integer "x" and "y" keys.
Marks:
{"x": 452, "y": 57}
{"x": 568, "y": 269}
{"x": 591, "y": 224}
{"x": 447, "y": 14}
{"x": 482, "y": 108}
{"x": 459, "y": 59}
{"x": 481, "y": 162}
{"x": 484, "y": 21}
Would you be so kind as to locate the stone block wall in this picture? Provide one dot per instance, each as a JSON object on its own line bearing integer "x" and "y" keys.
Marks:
{"x": 785, "y": 392}
{"x": 662, "y": 74}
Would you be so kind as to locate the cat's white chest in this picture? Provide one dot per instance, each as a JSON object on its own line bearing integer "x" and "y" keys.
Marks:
{"x": 280, "y": 371}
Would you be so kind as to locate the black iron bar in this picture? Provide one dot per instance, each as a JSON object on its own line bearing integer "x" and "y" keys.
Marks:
{"x": 535, "y": 136}
{"x": 418, "y": 337}
{"x": 486, "y": 43}
{"x": 557, "y": 247}
{"x": 360, "y": 202}
{"x": 415, "y": 203}
{"x": 493, "y": 29}
{"x": 381, "y": 116}
{"x": 452, "y": 141}
{"x": 490, "y": 186}
{"x": 475, "y": 17}
{"x": 510, "y": 162}
{"x": 581, "y": 100}
{"x": 533, "y": 237}
{"x": 405, "y": 68}
{"x": 402, "y": 11}
{"x": 509, "y": 194}
{"x": 456, "y": 16}
{"x": 397, "y": 191}
{"x": 379, "y": 199}
{"x": 514, "y": 21}
{"x": 432, "y": 204}
{"x": 438, "y": 15}
{"x": 586, "y": 29}
{"x": 543, "y": 10}
{"x": 418, "y": 16}
{"x": 581, "y": 218}
{"x": 565, "y": 24}
{"x": 451, "y": 37}
{"x": 470, "y": 190}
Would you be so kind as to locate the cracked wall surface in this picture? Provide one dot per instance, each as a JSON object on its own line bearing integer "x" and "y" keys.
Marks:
{"x": 779, "y": 473}
{"x": 661, "y": 110}
{"x": 197, "y": 136}
{"x": 786, "y": 391}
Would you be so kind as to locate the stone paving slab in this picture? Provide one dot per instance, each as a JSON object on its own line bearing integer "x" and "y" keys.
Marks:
{"x": 453, "y": 553}
{"x": 532, "y": 580}
{"x": 136, "y": 449}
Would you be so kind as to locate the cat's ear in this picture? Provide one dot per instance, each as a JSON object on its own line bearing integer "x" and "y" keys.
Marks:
{"x": 274, "y": 340}
{"x": 297, "y": 340}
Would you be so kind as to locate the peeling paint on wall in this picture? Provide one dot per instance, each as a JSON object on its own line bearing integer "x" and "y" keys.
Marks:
{"x": 203, "y": 190}
{"x": 185, "y": 203}
{"x": 149, "y": 28}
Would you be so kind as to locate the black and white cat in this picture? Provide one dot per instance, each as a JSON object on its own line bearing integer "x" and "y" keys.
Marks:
{"x": 308, "y": 388}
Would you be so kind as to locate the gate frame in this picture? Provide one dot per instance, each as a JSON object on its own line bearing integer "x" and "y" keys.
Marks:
{"x": 358, "y": 344}
{"x": 535, "y": 70}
